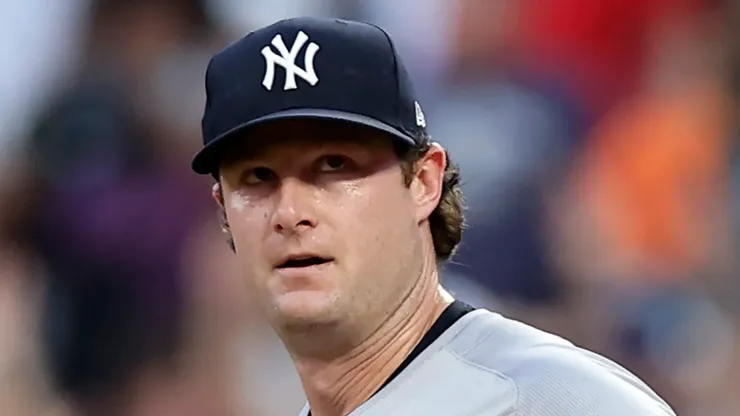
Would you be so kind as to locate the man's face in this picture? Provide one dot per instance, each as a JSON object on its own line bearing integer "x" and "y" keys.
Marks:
{"x": 325, "y": 230}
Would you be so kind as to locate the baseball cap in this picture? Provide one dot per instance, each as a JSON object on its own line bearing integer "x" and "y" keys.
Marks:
{"x": 306, "y": 67}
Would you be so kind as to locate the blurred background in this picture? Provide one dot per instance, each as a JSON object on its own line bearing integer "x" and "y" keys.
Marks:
{"x": 598, "y": 142}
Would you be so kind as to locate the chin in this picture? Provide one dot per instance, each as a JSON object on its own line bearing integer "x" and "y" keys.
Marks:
{"x": 305, "y": 308}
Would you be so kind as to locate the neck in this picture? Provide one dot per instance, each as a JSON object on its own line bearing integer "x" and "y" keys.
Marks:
{"x": 337, "y": 386}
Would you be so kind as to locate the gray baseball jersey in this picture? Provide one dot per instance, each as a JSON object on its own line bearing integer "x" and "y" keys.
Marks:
{"x": 483, "y": 364}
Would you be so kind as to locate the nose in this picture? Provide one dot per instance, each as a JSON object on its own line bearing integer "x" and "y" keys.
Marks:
{"x": 294, "y": 207}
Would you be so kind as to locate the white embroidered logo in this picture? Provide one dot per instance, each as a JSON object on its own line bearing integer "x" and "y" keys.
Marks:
{"x": 287, "y": 58}
{"x": 421, "y": 121}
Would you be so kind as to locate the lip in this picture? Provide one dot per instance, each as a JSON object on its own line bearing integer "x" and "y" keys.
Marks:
{"x": 303, "y": 272}
{"x": 279, "y": 265}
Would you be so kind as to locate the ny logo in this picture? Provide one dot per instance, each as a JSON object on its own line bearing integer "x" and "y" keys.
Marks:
{"x": 287, "y": 58}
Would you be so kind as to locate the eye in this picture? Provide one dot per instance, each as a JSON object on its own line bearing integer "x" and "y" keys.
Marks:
{"x": 332, "y": 163}
{"x": 259, "y": 175}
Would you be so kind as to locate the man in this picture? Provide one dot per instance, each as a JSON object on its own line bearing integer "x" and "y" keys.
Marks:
{"x": 340, "y": 209}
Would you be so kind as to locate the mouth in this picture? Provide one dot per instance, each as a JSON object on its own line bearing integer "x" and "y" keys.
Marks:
{"x": 303, "y": 261}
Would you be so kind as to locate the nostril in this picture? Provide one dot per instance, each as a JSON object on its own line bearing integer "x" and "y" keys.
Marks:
{"x": 286, "y": 225}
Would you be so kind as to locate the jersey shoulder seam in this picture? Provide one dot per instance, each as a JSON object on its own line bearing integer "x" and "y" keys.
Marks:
{"x": 491, "y": 371}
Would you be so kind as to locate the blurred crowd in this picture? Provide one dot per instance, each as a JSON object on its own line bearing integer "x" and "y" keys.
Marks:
{"x": 598, "y": 143}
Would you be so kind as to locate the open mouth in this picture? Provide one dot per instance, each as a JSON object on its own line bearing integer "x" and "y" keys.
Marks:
{"x": 304, "y": 262}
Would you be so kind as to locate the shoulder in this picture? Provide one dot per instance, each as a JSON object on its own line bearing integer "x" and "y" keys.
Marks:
{"x": 563, "y": 381}
{"x": 551, "y": 375}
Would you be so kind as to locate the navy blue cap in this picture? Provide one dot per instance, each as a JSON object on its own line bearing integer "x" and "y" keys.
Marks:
{"x": 307, "y": 68}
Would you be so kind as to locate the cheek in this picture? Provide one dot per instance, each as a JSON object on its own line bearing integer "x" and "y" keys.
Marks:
{"x": 379, "y": 239}
{"x": 247, "y": 221}
{"x": 359, "y": 205}
{"x": 378, "y": 218}
{"x": 239, "y": 202}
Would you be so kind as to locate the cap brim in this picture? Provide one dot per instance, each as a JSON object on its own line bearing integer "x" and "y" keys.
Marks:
{"x": 207, "y": 160}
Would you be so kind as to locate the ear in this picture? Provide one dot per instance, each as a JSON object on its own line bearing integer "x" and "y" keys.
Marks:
{"x": 218, "y": 194}
{"x": 426, "y": 186}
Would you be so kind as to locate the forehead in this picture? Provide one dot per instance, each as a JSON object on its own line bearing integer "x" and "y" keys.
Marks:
{"x": 295, "y": 136}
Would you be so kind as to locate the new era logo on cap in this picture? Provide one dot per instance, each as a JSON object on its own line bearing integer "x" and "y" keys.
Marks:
{"x": 307, "y": 68}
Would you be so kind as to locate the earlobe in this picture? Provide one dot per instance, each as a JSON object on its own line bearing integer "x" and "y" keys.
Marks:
{"x": 217, "y": 194}
{"x": 429, "y": 180}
